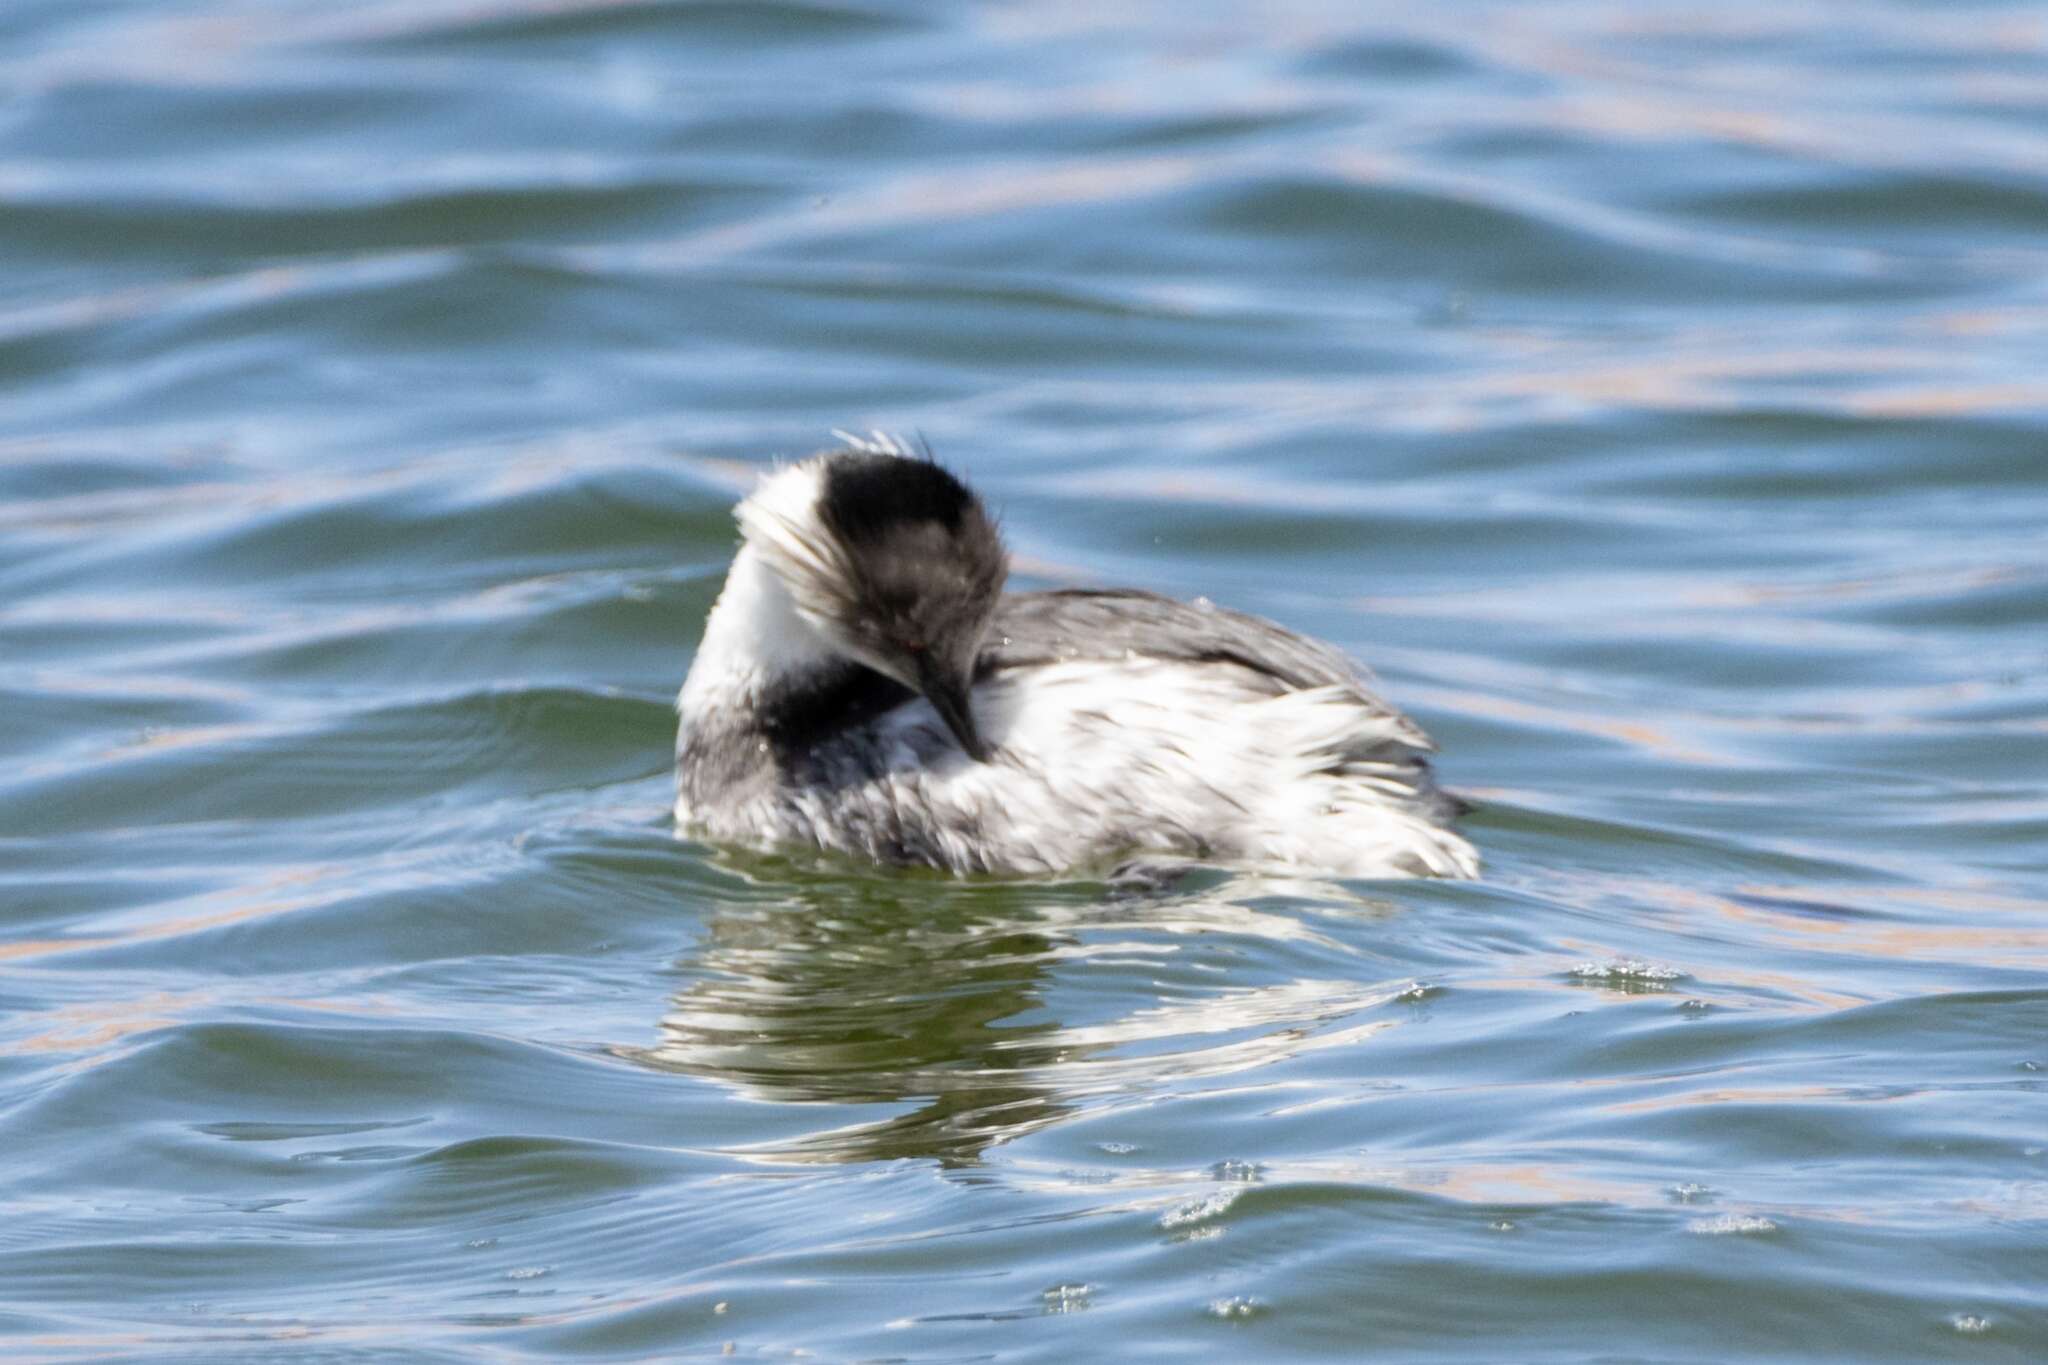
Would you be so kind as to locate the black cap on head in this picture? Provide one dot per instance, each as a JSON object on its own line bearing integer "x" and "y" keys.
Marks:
{"x": 865, "y": 496}
{"x": 926, "y": 566}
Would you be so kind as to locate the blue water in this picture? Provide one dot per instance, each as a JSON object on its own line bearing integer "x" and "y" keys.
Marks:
{"x": 1653, "y": 396}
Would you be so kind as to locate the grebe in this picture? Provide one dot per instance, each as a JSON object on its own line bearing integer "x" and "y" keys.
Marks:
{"x": 866, "y": 687}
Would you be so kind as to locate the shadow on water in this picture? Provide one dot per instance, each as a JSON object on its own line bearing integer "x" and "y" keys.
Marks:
{"x": 986, "y": 1011}
{"x": 921, "y": 993}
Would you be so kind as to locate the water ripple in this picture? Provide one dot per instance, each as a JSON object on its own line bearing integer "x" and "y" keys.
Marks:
{"x": 1653, "y": 397}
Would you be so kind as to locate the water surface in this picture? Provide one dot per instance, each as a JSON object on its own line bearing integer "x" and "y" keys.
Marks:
{"x": 1654, "y": 398}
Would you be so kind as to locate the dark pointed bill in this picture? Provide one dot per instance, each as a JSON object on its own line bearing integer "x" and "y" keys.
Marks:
{"x": 947, "y": 692}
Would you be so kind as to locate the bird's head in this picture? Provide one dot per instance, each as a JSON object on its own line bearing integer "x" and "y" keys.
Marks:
{"x": 893, "y": 561}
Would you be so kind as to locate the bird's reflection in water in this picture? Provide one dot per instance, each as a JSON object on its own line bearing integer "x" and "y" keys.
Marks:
{"x": 863, "y": 991}
{"x": 931, "y": 992}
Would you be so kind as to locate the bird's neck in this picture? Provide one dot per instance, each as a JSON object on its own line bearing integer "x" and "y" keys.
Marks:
{"x": 756, "y": 643}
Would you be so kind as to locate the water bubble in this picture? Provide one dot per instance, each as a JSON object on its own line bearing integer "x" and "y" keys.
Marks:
{"x": 1417, "y": 990}
{"x": 529, "y": 1272}
{"x": 1502, "y": 1225}
{"x": 1732, "y": 1225}
{"x": 2030, "y": 1065}
{"x": 1117, "y": 1148}
{"x": 1067, "y": 1298}
{"x": 1198, "y": 1210}
{"x": 720, "y": 1309}
{"x": 479, "y": 1243}
{"x": 1969, "y": 1324}
{"x": 1693, "y": 1008}
{"x": 1692, "y": 1192}
{"x": 1236, "y": 1308}
{"x": 1245, "y": 1171}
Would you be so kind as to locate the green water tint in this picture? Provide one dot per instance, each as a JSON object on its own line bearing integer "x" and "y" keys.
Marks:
{"x": 1653, "y": 399}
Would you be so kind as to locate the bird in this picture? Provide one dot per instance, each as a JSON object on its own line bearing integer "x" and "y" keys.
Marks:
{"x": 866, "y": 687}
